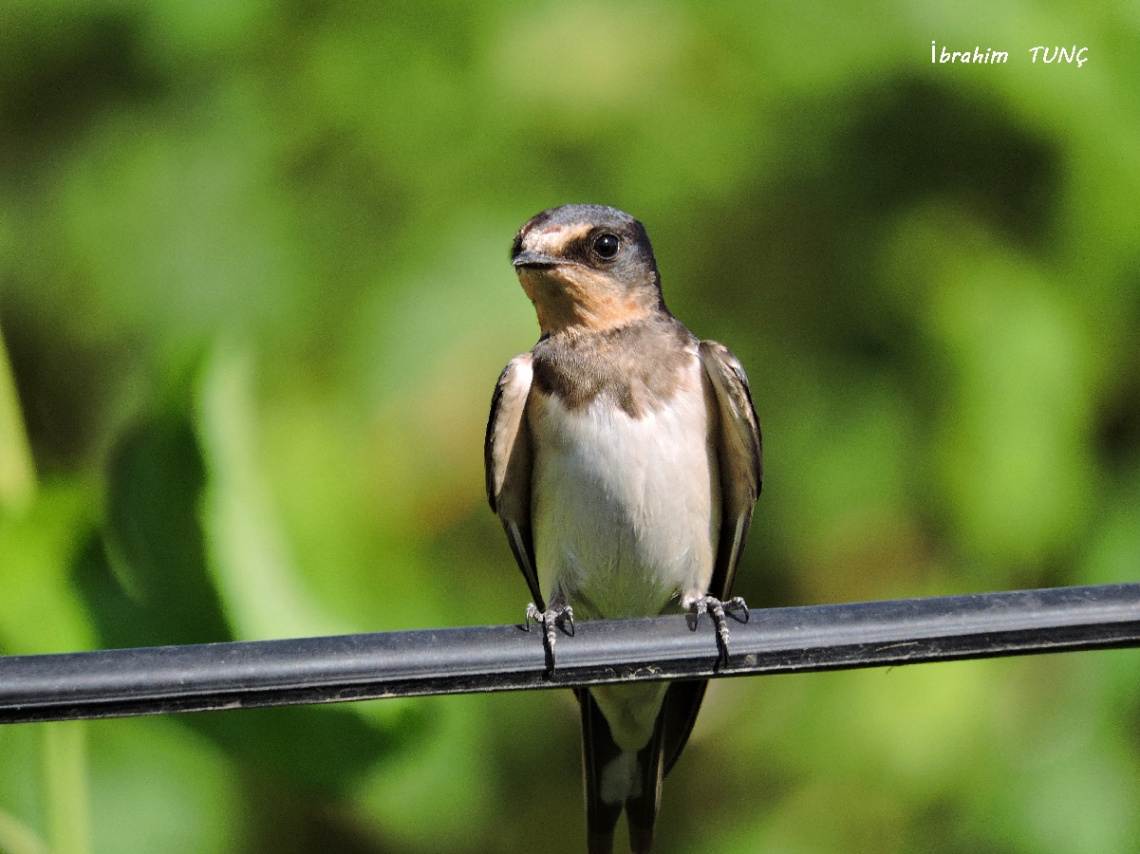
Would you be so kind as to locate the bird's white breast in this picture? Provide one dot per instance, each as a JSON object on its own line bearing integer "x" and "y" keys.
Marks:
{"x": 625, "y": 510}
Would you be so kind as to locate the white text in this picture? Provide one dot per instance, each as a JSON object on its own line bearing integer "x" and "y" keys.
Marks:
{"x": 989, "y": 57}
{"x": 1061, "y": 53}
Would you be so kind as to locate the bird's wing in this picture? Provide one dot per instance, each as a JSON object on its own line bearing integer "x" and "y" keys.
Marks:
{"x": 739, "y": 457}
{"x": 737, "y": 439}
{"x": 507, "y": 456}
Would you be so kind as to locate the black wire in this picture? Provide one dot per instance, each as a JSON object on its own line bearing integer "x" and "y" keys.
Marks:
{"x": 160, "y": 680}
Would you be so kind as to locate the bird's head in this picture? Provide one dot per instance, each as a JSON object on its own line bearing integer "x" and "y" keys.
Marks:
{"x": 587, "y": 268}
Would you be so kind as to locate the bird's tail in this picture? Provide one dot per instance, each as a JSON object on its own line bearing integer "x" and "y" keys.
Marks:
{"x": 618, "y": 780}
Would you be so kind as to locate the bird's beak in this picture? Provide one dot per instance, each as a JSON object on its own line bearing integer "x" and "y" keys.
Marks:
{"x": 533, "y": 259}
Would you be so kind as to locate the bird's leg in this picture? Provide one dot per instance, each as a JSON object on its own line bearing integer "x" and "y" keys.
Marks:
{"x": 698, "y": 604}
{"x": 559, "y": 612}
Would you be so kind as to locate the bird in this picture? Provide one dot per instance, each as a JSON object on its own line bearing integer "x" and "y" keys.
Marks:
{"x": 623, "y": 458}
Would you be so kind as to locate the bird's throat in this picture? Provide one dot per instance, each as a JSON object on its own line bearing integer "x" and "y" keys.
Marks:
{"x": 578, "y": 299}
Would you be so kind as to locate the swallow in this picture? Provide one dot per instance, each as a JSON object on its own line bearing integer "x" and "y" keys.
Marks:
{"x": 623, "y": 457}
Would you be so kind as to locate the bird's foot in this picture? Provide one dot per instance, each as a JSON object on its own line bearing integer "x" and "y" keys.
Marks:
{"x": 559, "y": 613}
{"x": 717, "y": 610}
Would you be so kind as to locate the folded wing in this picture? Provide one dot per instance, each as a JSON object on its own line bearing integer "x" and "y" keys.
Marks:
{"x": 739, "y": 457}
{"x": 507, "y": 457}
{"x": 736, "y": 437}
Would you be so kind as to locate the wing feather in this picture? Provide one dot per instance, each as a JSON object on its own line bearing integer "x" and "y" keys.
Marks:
{"x": 739, "y": 456}
{"x": 507, "y": 457}
{"x": 737, "y": 438}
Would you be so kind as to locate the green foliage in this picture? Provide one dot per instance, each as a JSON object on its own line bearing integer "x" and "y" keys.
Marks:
{"x": 254, "y": 297}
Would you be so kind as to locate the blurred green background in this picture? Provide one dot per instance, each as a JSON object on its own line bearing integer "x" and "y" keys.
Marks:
{"x": 254, "y": 297}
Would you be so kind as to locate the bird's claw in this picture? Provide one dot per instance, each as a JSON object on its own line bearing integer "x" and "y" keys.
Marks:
{"x": 718, "y": 611}
{"x": 559, "y": 613}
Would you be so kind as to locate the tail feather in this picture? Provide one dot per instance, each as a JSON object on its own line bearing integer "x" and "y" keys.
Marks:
{"x": 641, "y": 809}
{"x": 682, "y": 702}
{"x": 598, "y": 753}
{"x": 617, "y": 780}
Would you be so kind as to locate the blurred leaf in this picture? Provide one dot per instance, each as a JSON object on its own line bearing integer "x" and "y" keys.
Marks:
{"x": 156, "y": 786}
{"x": 17, "y": 472}
{"x": 22, "y": 824}
{"x": 40, "y": 611}
{"x": 17, "y": 838}
{"x": 323, "y": 750}
{"x": 1016, "y": 425}
{"x": 264, "y": 594}
{"x": 146, "y": 581}
{"x": 67, "y": 802}
{"x": 437, "y": 792}
{"x": 147, "y": 584}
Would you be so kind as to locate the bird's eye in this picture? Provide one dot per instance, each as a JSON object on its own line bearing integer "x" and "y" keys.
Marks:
{"x": 607, "y": 245}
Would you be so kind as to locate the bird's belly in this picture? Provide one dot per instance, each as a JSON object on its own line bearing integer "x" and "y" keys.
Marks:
{"x": 625, "y": 510}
